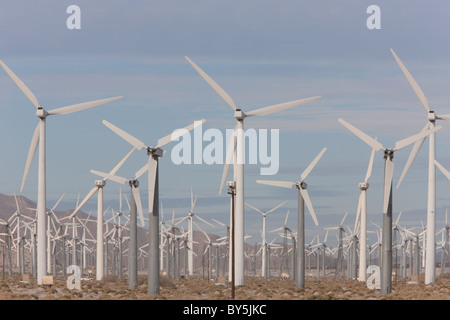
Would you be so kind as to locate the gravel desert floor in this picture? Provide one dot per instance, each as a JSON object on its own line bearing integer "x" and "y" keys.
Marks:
{"x": 196, "y": 288}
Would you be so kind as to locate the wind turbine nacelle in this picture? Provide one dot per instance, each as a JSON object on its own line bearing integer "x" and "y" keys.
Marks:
{"x": 41, "y": 113}
{"x": 363, "y": 185}
{"x": 231, "y": 184}
{"x": 431, "y": 116}
{"x": 100, "y": 183}
{"x": 302, "y": 185}
{"x": 157, "y": 152}
{"x": 239, "y": 114}
{"x": 134, "y": 183}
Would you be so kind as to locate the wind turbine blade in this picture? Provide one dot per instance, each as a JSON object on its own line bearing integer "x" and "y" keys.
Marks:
{"x": 229, "y": 158}
{"x": 17, "y": 203}
{"x": 279, "y": 107}
{"x": 412, "y": 156}
{"x": 88, "y": 196}
{"x": 412, "y": 82}
{"x": 81, "y": 106}
{"x": 410, "y": 140}
{"x": 308, "y": 203}
{"x": 278, "y": 206}
{"x": 374, "y": 144}
{"x": 443, "y": 170}
{"x": 204, "y": 220}
{"x": 286, "y": 219}
{"x": 225, "y": 96}
{"x": 282, "y": 184}
{"x": 326, "y": 236}
{"x": 27, "y": 92}
{"x": 141, "y": 171}
{"x": 206, "y": 235}
{"x": 137, "y": 199}
{"x": 110, "y": 176}
{"x": 121, "y": 162}
{"x": 138, "y": 144}
{"x": 398, "y": 218}
{"x": 369, "y": 168}
{"x": 254, "y": 208}
{"x": 389, "y": 171}
{"x": 218, "y": 222}
{"x": 31, "y": 153}
{"x": 178, "y": 133}
{"x": 128, "y": 203}
{"x": 276, "y": 230}
{"x": 195, "y": 201}
{"x": 57, "y": 202}
{"x": 152, "y": 170}
{"x": 312, "y": 164}
{"x": 345, "y": 216}
{"x": 444, "y": 117}
{"x": 192, "y": 200}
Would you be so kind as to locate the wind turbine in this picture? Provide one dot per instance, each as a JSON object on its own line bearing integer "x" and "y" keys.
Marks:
{"x": 154, "y": 153}
{"x": 136, "y": 205}
{"x": 284, "y": 252}
{"x": 39, "y": 138}
{"x": 191, "y": 223}
{"x": 303, "y": 198}
{"x": 361, "y": 213}
{"x": 99, "y": 184}
{"x": 240, "y": 115}
{"x": 264, "y": 242}
{"x": 386, "y": 270}
{"x": 340, "y": 261}
{"x": 430, "y": 253}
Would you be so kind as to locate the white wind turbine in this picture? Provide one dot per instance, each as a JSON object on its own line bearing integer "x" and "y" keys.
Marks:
{"x": 361, "y": 213}
{"x": 154, "y": 153}
{"x": 136, "y": 205}
{"x": 284, "y": 252}
{"x": 99, "y": 184}
{"x": 303, "y": 198}
{"x": 39, "y": 138}
{"x": 431, "y": 200}
{"x": 264, "y": 242}
{"x": 191, "y": 223}
{"x": 239, "y": 115}
{"x": 386, "y": 270}
{"x": 340, "y": 261}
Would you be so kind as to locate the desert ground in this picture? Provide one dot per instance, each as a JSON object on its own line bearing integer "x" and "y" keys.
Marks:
{"x": 197, "y": 288}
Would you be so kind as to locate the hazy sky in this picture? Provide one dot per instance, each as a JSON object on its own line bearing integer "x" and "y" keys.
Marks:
{"x": 262, "y": 53}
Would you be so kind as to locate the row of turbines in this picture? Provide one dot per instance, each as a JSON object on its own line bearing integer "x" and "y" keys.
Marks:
{"x": 235, "y": 155}
{"x": 77, "y": 247}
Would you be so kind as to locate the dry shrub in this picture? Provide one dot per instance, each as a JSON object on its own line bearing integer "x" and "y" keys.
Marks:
{"x": 167, "y": 283}
{"x": 111, "y": 278}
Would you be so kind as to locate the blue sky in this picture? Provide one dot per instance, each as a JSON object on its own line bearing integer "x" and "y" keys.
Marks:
{"x": 261, "y": 53}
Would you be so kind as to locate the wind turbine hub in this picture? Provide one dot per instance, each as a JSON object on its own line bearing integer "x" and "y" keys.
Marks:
{"x": 239, "y": 114}
{"x": 41, "y": 113}
{"x": 389, "y": 153}
{"x": 134, "y": 183}
{"x": 431, "y": 116}
{"x": 100, "y": 183}
{"x": 363, "y": 185}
